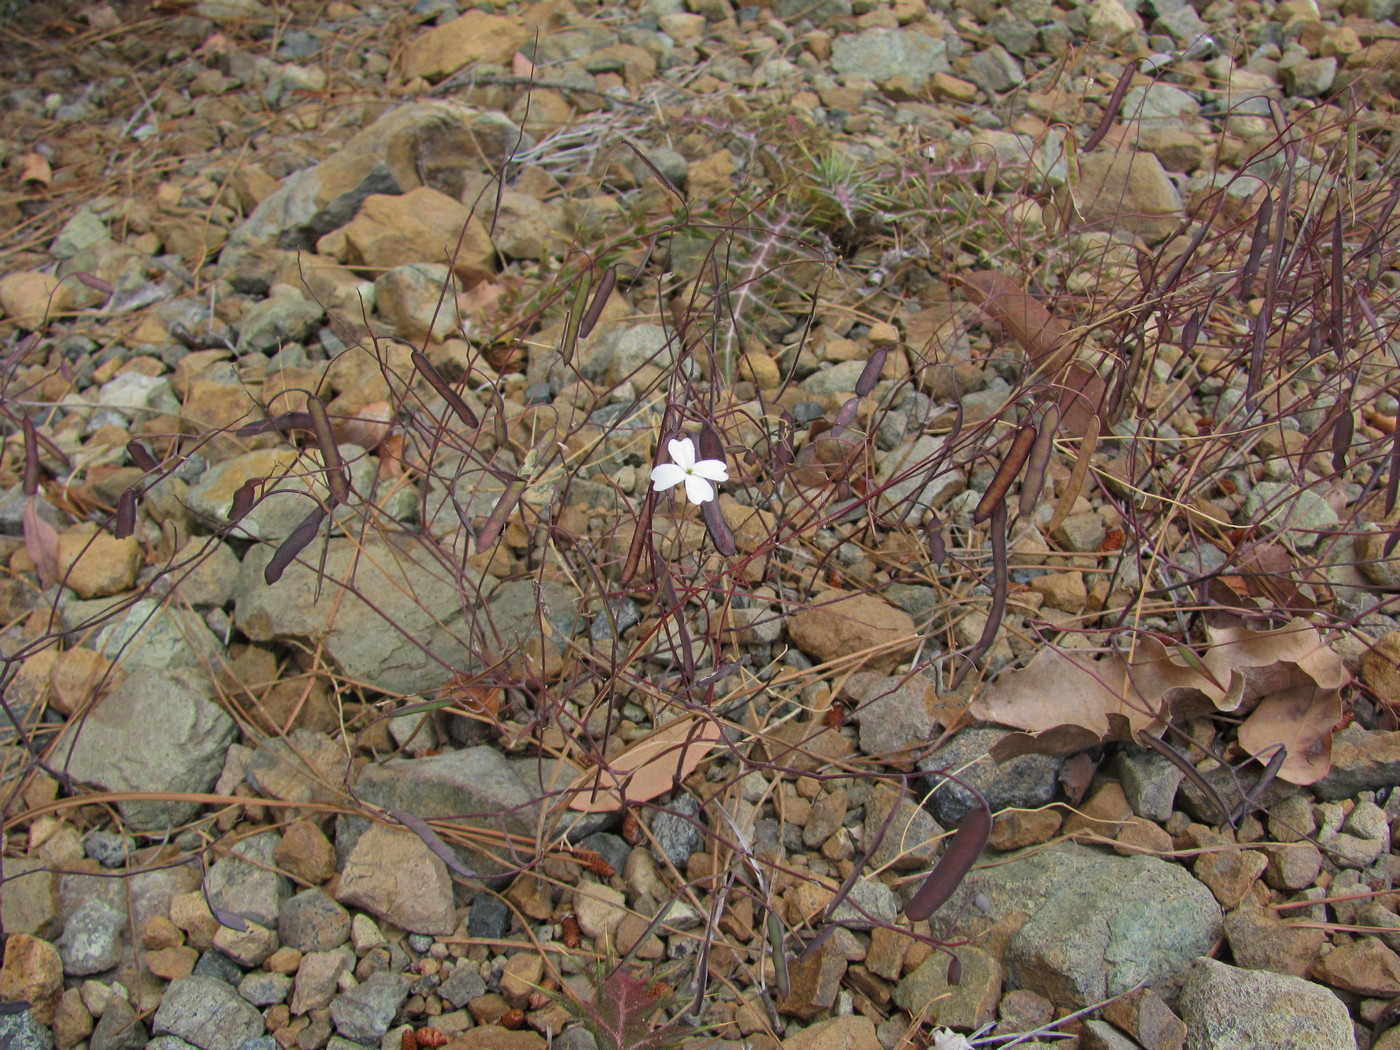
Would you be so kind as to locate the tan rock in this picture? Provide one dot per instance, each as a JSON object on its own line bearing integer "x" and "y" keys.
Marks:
{"x": 392, "y": 874}
{"x": 494, "y": 1037}
{"x": 30, "y": 298}
{"x": 72, "y": 1023}
{"x": 520, "y": 978}
{"x": 1230, "y": 872}
{"x": 840, "y": 623}
{"x": 1128, "y": 191}
{"x": 1145, "y": 1017}
{"x": 1102, "y": 813}
{"x": 171, "y": 964}
{"x": 1380, "y": 667}
{"x": 159, "y": 932}
{"x": 30, "y": 902}
{"x": 1018, "y": 828}
{"x": 1364, "y": 967}
{"x": 32, "y": 972}
{"x": 247, "y": 947}
{"x": 1139, "y": 834}
{"x": 80, "y": 675}
{"x": 474, "y": 37}
{"x": 850, "y": 1032}
{"x": 97, "y": 564}
{"x": 410, "y": 298}
{"x": 599, "y": 909}
{"x": 190, "y": 912}
{"x": 419, "y": 226}
{"x": 1259, "y": 941}
{"x": 305, "y": 853}
{"x": 815, "y": 981}
{"x": 969, "y": 1004}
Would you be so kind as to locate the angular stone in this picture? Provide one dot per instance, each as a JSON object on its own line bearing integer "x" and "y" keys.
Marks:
{"x": 839, "y": 623}
{"x": 30, "y": 298}
{"x": 370, "y": 644}
{"x": 32, "y": 972}
{"x": 92, "y": 939}
{"x": 1145, "y": 1017}
{"x": 893, "y": 714}
{"x": 207, "y": 1013}
{"x": 420, "y": 226}
{"x": 815, "y": 980}
{"x": 1227, "y": 1008}
{"x": 1260, "y": 941}
{"x": 970, "y": 1003}
{"x": 392, "y": 873}
{"x": 95, "y": 563}
{"x": 246, "y": 882}
{"x": 410, "y": 297}
{"x": 1364, "y": 967}
{"x": 850, "y": 1032}
{"x": 363, "y": 1014}
{"x": 1128, "y": 191}
{"x": 158, "y": 731}
{"x": 473, "y": 37}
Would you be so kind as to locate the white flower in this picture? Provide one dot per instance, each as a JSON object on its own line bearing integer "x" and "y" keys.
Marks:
{"x": 943, "y": 1039}
{"x": 697, "y": 475}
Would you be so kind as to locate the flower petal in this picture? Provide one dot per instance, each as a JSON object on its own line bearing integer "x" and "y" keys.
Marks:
{"x": 698, "y": 490}
{"x": 682, "y": 452}
{"x": 666, "y": 475}
{"x": 714, "y": 469}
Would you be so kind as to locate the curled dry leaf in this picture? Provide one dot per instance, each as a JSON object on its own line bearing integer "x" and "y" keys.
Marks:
{"x": 34, "y": 168}
{"x": 1288, "y": 680}
{"x": 650, "y": 767}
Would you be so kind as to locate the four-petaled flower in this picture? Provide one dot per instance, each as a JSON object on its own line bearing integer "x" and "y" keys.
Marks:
{"x": 697, "y": 474}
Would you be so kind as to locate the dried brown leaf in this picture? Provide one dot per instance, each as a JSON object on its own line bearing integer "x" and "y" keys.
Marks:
{"x": 41, "y": 544}
{"x": 650, "y": 767}
{"x": 1301, "y": 718}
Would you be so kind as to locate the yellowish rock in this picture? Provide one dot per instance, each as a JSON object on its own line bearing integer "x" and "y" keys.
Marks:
{"x": 97, "y": 564}
{"x": 30, "y": 298}
{"x": 474, "y": 37}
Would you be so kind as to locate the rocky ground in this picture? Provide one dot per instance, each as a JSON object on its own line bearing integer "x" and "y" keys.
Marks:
{"x": 358, "y": 685}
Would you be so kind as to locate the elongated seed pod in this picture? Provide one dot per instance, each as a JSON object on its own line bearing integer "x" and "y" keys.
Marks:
{"x": 31, "y": 457}
{"x": 243, "y": 499}
{"x": 444, "y": 389}
{"x": 142, "y": 456}
{"x": 1110, "y": 112}
{"x": 955, "y": 969}
{"x": 600, "y": 300}
{"x": 1077, "y": 475}
{"x": 870, "y": 374}
{"x": 964, "y": 848}
{"x": 718, "y": 528}
{"x": 125, "y": 523}
{"x": 1341, "y": 439}
{"x": 996, "y": 492}
{"x": 337, "y": 477}
{"x": 1256, "y": 247}
{"x": 293, "y": 545}
{"x": 1038, "y": 463}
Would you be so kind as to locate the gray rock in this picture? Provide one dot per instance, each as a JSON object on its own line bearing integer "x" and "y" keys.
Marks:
{"x": 81, "y": 231}
{"x": 677, "y": 831}
{"x": 1029, "y": 780}
{"x": 994, "y": 70}
{"x": 1149, "y": 782}
{"x": 313, "y": 922}
{"x": 365, "y": 1012}
{"x": 490, "y": 917}
{"x": 1099, "y": 924}
{"x": 317, "y": 976}
{"x": 149, "y": 636}
{"x": 880, "y": 53}
{"x": 285, "y": 318}
{"x": 418, "y": 144}
{"x": 416, "y": 612}
{"x": 264, "y": 989}
{"x": 92, "y": 939}
{"x": 916, "y": 477}
{"x": 217, "y": 966}
{"x": 515, "y": 611}
{"x": 156, "y": 731}
{"x": 246, "y": 882}
{"x": 464, "y": 983}
{"x": 892, "y": 713}
{"x": 207, "y": 1013}
{"x": 475, "y": 786}
{"x": 118, "y": 1028}
{"x": 1362, "y": 760}
{"x": 1158, "y": 103}
{"x": 1306, "y": 513}
{"x": 837, "y": 381}
{"x": 21, "y": 1032}
{"x": 1014, "y": 32}
{"x": 1227, "y": 1008}
{"x": 407, "y": 297}
{"x": 908, "y": 837}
